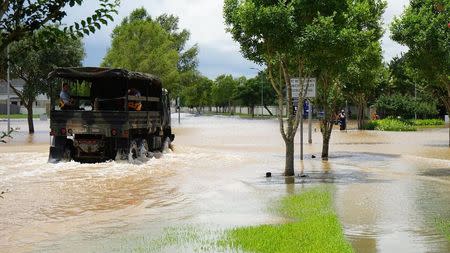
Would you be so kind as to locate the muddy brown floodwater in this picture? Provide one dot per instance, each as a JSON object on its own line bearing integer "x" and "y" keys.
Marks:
{"x": 390, "y": 187}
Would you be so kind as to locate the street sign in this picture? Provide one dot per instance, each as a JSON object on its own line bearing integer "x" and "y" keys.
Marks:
{"x": 309, "y": 82}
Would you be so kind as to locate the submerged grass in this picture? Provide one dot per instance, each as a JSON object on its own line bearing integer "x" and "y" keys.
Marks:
{"x": 186, "y": 238}
{"x": 314, "y": 228}
{"x": 444, "y": 227}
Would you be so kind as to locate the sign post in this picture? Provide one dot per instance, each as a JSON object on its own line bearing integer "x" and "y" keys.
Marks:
{"x": 310, "y": 110}
{"x": 179, "y": 109}
{"x": 8, "y": 102}
{"x": 307, "y": 87}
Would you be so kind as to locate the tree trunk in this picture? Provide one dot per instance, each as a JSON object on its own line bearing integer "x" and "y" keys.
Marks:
{"x": 30, "y": 117}
{"x": 446, "y": 101}
{"x": 253, "y": 111}
{"x": 271, "y": 114}
{"x": 361, "y": 116}
{"x": 289, "y": 168}
{"x": 326, "y": 127}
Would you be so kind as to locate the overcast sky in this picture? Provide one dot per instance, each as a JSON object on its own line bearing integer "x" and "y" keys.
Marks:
{"x": 219, "y": 54}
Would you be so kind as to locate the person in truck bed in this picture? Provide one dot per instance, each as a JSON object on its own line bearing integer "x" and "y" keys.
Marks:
{"x": 66, "y": 102}
{"x": 134, "y": 105}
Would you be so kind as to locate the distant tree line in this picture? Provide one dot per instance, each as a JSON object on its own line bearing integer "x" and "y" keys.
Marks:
{"x": 225, "y": 93}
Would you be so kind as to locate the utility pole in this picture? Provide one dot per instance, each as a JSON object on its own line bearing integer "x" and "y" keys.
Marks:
{"x": 179, "y": 109}
{"x": 8, "y": 109}
{"x": 310, "y": 110}
{"x": 301, "y": 128}
{"x": 415, "y": 100}
{"x": 262, "y": 99}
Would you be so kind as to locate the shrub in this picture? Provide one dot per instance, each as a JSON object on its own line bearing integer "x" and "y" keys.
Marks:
{"x": 427, "y": 122}
{"x": 390, "y": 124}
{"x": 370, "y": 125}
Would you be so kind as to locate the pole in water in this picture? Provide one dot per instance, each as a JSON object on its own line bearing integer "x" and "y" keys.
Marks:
{"x": 309, "y": 122}
{"x": 8, "y": 106}
{"x": 179, "y": 109}
{"x": 301, "y": 130}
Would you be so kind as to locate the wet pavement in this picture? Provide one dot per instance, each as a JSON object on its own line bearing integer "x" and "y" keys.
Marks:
{"x": 389, "y": 187}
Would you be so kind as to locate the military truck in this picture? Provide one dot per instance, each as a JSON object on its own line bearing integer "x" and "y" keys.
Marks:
{"x": 113, "y": 114}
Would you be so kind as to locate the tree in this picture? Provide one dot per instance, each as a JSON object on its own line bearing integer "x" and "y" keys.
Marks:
{"x": 140, "y": 44}
{"x": 188, "y": 61}
{"x": 248, "y": 93}
{"x": 223, "y": 90}
{"x": 34, "y": 57}
{"x": 405, "y": 106}
{"x": 251, "y": 24}
{"x": 188, "y": 57}
{"x": 310, "y": 37}
{"x": 402, "y": 78}
{"x": 405, "y": 94}
{"x": 198, "y": 93}
{"x": 423, "y": 28}
{"x": 19, "y": 18}
{"x": 334, "y": 42}
{"x": 363, "y": 75}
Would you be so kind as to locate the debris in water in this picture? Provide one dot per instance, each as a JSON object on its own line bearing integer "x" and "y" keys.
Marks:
{"x": 268, "y": 174}
{"x": 313, "y": 156}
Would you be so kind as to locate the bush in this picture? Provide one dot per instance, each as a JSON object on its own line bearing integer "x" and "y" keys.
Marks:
{"x": 390, "y": 124}
{"x": 370, "y": 125}
{"x": 427, "y": 122}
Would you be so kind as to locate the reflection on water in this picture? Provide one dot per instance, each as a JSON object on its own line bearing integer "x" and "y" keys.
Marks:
{"x": 389, "y": 187}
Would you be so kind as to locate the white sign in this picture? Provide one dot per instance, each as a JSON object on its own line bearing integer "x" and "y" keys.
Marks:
{"x": 308, "y": 82}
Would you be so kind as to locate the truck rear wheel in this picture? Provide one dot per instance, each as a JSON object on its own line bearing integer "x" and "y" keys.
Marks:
{"x": 67, "y": 154}
{"x": 143, "y": 150}
{"x": 133, "y": 151}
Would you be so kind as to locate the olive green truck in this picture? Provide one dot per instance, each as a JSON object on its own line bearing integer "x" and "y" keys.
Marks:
{"x": 112, "y": 114}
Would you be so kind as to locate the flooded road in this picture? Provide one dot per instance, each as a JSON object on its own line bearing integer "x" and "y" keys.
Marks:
{"x": 390, "y": 187}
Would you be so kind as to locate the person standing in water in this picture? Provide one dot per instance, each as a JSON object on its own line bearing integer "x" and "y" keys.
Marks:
{"x": 342, "y": 120}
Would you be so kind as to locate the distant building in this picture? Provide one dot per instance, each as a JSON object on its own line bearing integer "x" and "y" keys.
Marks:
{"x": 39, "y": 106}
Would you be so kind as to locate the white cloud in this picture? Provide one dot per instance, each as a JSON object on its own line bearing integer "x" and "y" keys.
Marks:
{"x": 204, "y": 19}
{"x": 390, "y": 47}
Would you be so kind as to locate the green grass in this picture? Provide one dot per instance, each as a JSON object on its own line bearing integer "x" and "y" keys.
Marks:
{"x": 444, "y": 227}
{"x": 314, "y": 228}
{"x": 17, "y": 116}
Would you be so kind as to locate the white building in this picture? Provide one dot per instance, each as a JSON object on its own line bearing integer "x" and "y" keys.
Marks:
{"x": 39, "y": 107}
